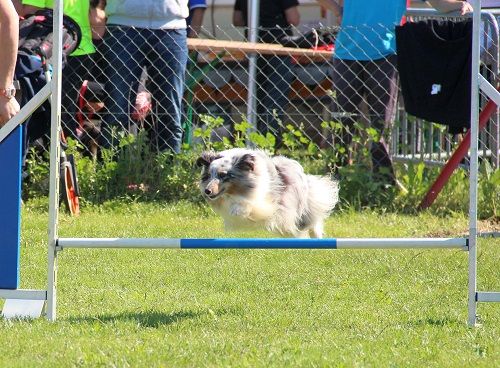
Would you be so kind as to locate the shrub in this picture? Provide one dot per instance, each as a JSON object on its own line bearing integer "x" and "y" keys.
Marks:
{"x": 136, "y": 173}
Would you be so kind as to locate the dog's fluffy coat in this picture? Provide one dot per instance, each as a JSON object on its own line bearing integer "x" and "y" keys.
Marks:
{"x": 250, "y": 189}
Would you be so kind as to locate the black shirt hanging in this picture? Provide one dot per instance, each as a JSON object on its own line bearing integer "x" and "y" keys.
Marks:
{"x": 434, "y": 64}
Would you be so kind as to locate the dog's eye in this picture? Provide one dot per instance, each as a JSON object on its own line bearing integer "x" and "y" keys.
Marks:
{"x": 225, "y": 176}
{"x": 205, "y": 177}
{"x": 222, "y": 175}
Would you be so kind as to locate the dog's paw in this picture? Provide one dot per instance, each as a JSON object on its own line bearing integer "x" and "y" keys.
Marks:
{"x": 238, "y": 211}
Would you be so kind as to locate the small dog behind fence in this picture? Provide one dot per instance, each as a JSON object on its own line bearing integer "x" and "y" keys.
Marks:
{"x": 91, "y": 105}
{"x": 250, "y": 189}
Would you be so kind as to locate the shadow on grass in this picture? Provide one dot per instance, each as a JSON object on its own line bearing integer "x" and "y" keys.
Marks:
{"x": 436, "y": 322}
{"x": 153, "y": 319}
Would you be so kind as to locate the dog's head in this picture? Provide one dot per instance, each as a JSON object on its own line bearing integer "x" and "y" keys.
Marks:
{"x": 228, "y": 172}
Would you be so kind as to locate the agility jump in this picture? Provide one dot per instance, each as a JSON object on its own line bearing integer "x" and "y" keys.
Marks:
{"x": 18, "y": 300}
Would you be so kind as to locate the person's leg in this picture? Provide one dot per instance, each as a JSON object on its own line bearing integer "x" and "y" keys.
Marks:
{"x": 276, "y": 89}
{"x": 124, "y": 57}
{"x": 167, "y": 61}
{"x": 97, "y": 70}
{"x": 382, "y": 92}
{"x": 348, "y": 89}
{"x": 260, "y": 80}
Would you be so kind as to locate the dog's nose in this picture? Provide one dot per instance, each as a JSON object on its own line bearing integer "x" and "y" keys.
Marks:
{"x": 208, "y": 191}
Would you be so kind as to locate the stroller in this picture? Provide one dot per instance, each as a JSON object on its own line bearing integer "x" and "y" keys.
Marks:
{"x": 33, "y": 71}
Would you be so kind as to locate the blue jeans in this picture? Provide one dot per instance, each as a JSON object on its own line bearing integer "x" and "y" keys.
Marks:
{"x": 164, "y": 53}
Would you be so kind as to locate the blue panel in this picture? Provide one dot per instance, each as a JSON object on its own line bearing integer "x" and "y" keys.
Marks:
{"x": 10, "y": 209}
{"x": 259, "y": 243}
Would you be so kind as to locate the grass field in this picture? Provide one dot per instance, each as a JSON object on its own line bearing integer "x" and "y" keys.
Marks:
{"x": 247, "y": 308}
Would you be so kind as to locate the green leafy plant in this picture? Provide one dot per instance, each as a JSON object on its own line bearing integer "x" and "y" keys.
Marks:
{"x": 489, "y": 191}
{"x": 137, "y": 172}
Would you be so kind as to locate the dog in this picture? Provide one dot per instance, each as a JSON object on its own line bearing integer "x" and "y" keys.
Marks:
{"x": 250, "y": 189}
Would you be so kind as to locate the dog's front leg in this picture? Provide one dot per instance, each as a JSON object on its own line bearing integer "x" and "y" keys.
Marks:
{"x": 239, "y": 210}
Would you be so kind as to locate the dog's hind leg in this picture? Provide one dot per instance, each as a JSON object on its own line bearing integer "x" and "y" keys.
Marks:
{"x": 317, "y": 230}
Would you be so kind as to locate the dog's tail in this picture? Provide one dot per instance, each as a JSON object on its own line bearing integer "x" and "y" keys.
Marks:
{"x": 323, "y": 195}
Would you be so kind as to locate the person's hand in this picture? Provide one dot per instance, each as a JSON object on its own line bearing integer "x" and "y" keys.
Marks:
{"x": 97, "y": 18}
{"x": 8, "y": 108}
{"x": 447, "y": 6}
{"x": 466, "y": 8}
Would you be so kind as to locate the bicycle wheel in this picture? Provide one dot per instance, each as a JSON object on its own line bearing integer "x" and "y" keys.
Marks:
{"x": 69, "y": 185}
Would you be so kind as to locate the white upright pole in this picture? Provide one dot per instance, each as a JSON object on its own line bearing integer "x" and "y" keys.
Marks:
{"x": 55, "y": 147}
{"x": 253, "y": 35}
{"x": 473, "y": 174}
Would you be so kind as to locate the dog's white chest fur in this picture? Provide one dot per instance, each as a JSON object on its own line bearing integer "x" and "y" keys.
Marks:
{"x": 241, "y": 213}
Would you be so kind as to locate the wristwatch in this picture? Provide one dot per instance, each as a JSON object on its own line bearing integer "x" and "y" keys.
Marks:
{"x": 8, "y": 92}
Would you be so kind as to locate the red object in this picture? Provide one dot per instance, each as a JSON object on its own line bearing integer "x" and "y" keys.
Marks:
{"x": 81, "y": 104}
{"x": 403, "y": 20}
{"x": 329, "y": 47}
{"x": 72, "y": 200}
{"x": 455, "y": 159}
{"x": 143, "y": 106}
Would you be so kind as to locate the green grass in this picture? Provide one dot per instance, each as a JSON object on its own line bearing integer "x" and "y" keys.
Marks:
{"x": 344, "y": 308}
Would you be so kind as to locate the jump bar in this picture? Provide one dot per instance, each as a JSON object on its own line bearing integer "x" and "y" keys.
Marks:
{"x": 234, "y": 243}
{"x": 488, "y": 296}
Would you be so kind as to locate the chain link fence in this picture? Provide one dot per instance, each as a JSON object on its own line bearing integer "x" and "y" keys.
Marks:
{"x": 292, "y": 91}
{"x": 136, "y": 81}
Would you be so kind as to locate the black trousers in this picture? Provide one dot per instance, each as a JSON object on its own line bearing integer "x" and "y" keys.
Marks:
{"x": 374, "y": 81}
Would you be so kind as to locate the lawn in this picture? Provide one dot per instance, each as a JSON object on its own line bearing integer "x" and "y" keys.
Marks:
{"x": 335, "y": 308}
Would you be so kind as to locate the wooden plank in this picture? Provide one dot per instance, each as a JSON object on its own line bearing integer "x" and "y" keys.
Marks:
{"x": 242, "y": 48}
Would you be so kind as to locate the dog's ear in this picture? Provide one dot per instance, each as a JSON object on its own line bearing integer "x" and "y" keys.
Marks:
{"x": 206, "y": 158}
{"x": 246, "y": 162}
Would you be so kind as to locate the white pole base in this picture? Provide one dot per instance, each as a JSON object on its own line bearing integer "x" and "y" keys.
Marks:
{"x": 23, "y": 303}
{"x": 22, "y": 308}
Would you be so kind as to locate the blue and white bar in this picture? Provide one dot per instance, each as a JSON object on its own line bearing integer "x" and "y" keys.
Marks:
{"x": 273, "y": 243}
